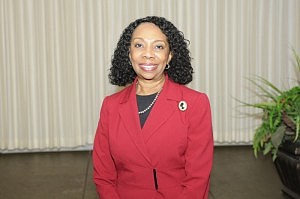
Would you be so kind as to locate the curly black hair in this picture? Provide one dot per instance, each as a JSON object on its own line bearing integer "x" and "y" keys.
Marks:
{"x": 180, "y": 71}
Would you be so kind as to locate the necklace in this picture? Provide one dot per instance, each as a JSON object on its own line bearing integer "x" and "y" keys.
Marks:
{"x": 146, "y": 109}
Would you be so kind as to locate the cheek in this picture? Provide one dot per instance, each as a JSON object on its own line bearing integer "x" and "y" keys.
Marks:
{"x": 164, "y": 58}
{"x": 133, "y": 56}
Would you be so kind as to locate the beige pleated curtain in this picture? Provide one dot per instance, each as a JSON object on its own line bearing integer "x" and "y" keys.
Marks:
{"x": 55, "y": 56}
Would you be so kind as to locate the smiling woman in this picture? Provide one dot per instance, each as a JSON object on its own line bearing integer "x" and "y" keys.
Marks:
{"x": 154, "y": 138}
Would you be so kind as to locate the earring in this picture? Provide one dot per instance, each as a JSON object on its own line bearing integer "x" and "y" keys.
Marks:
{"x": 167, "y": 66}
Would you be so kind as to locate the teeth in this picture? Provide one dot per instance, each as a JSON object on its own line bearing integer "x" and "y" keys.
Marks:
{"x": 148, "y": 67}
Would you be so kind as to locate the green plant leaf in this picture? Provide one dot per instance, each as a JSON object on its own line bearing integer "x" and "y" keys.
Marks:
{"x": 270, "y": 85}
{"x": 297, "y": 127}
{"x": 277, "y": 137}
{"x": 297, "y": 57}
{"x": 268, "y": 148}
{"x": 264, "y": 87}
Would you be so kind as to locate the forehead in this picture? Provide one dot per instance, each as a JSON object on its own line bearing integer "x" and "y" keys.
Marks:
{"x": 148, "y": 31}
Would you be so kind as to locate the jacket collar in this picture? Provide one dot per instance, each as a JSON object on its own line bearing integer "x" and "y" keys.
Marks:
{"x": 170, "y": 91}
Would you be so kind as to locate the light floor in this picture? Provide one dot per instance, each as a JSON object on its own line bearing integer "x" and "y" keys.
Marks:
{"x": 62, "y": 175}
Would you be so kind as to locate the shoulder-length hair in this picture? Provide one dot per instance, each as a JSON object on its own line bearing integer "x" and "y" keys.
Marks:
{"x": 180, "y": 70}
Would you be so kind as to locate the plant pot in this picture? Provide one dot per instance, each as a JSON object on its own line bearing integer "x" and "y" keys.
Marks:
{"x": 287, "y": 165}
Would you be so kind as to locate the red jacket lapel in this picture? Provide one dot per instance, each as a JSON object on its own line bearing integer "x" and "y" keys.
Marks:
{"x": 129, "y": 115}
{"x": 162, "y": 110}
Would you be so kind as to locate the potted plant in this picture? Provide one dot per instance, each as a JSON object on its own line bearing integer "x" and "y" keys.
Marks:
{"x": 279, "y": 131}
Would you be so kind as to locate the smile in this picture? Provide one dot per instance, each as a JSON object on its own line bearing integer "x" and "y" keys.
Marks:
{"x": 148, "y": 67}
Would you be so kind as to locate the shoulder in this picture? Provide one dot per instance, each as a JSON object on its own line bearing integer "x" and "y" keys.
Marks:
{"x": 195, "y": 100}
{"x": 117, "y": 98}
{"x": 190, "y": 94}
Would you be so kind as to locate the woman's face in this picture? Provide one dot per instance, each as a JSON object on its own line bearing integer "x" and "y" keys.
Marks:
{"x": 149, "y": 52}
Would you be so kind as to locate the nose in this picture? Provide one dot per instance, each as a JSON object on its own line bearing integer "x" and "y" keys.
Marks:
{"x": 148, "y": 53}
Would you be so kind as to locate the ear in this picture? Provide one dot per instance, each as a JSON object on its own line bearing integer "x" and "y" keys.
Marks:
{"x": 170, "y": 57}
{"x": 129, "y": 55}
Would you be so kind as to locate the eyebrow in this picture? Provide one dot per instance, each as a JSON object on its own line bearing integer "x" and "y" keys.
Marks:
{"x": 159, "y": 40}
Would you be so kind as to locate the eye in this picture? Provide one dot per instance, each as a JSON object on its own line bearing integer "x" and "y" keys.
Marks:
{"x": 138, "y": 45}
{"x": 160, "y": 47}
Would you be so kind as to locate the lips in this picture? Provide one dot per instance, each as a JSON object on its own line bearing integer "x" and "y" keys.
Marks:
{"x": 148, "y": 67}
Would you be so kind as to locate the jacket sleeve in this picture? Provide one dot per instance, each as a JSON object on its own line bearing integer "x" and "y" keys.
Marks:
{"x": 104, "y": 168}
{"x": 199, "y": 153}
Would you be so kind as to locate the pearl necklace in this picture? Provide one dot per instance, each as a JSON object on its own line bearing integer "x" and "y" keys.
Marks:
{"x": 145, "y": 110}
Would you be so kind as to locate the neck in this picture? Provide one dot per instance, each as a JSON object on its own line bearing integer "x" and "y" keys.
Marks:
{"x": 146, "y": 87}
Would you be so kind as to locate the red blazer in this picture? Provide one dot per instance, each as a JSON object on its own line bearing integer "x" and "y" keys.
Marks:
{"x": 169, "y": 158}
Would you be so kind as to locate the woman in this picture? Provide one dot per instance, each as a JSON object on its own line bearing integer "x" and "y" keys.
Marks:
{"x": 154, "y": 138}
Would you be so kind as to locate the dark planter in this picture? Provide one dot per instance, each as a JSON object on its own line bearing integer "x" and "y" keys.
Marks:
{"x": 287, "y": 164}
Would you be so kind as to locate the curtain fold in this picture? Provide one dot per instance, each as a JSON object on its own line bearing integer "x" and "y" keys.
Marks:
{"x": 55, "y": 58}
